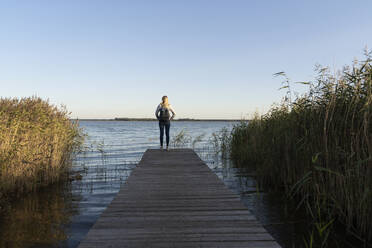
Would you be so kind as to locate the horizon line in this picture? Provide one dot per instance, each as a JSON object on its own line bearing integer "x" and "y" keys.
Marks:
{"x": 154, "y": 119}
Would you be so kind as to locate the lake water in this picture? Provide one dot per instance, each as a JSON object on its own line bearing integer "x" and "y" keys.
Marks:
{"x": 61, "y": 215}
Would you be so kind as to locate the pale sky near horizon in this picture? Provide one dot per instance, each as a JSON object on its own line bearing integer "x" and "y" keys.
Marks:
{"x": 213, "y": 58}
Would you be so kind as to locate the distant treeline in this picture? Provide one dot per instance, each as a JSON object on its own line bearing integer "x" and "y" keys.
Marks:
{"x": 154, "y": 119}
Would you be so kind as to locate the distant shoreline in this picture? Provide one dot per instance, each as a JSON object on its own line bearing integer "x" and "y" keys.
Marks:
{"x": 153, "y": 119}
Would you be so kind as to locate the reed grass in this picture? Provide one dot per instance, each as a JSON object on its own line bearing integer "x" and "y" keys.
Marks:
{"x": 37, "y": 142}
{"x": 318, "y": 147}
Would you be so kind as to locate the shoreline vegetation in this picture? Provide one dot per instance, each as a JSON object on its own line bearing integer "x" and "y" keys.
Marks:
{"x": 37, "y": 143}
{"x": 318, "y": 149}
{"x": 154, "y": 119}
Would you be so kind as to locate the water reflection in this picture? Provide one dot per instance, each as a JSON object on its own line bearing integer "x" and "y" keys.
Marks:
{"x": 38, "y": 219}
{"x": 61, "y": 215}
{"x": 287, "y": 222}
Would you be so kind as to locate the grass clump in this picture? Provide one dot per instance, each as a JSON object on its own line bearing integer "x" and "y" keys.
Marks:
{"x": 318, "y": 147}
{"x": 37, "y": 141}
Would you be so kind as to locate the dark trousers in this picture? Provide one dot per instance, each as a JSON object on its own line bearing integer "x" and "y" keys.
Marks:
{"x": 164, "y": 125}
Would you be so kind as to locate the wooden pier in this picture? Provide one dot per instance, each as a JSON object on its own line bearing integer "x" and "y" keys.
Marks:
{"x": 172, "y": 199}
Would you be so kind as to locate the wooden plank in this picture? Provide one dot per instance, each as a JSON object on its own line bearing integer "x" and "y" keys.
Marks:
{"x": 172, "y": 199}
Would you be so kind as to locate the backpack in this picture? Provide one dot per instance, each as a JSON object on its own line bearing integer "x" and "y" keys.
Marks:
{"x": 164, "y": 114}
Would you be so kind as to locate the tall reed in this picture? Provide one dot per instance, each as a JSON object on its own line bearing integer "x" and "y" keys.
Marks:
{"x": 37, "y": 141}
{"x": 318, "y": 147}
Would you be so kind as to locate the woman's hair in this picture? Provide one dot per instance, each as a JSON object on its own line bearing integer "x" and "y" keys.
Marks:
{"x": 164, "y": 102}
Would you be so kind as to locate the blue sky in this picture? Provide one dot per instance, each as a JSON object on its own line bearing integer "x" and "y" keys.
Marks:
{"x": 213, "y": 58}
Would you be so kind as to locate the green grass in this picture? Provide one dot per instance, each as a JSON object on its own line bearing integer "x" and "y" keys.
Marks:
{"x": 37, "y": 141}
{"x": 317, "y": 147}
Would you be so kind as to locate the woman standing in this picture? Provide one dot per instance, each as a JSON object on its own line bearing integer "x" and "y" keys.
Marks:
{"x": 162, "y": 113}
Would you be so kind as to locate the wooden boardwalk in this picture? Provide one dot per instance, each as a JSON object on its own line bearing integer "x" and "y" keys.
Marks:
{"x": 172, "y": 199}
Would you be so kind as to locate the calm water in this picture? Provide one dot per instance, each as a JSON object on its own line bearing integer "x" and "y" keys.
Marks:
{"x": 61, "y": 215}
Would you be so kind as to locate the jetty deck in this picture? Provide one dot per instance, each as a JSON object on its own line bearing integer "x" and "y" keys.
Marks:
{"x": 173, "y": 199}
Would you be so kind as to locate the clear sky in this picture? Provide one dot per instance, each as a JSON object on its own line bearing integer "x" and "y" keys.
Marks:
{"x": 213, "y": 58}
